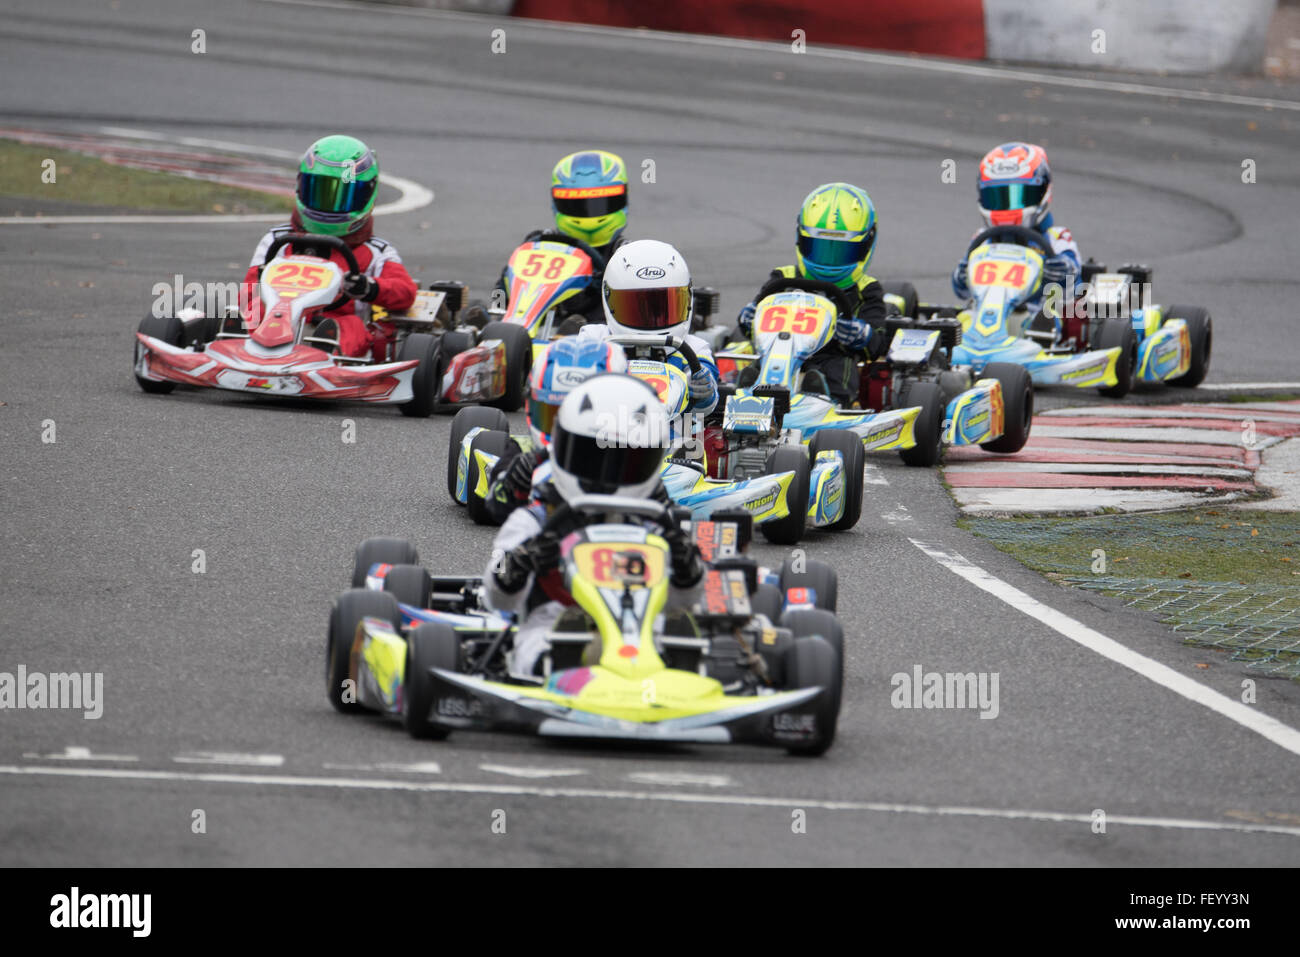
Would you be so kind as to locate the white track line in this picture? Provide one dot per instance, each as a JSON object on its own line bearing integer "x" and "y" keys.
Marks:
{"x": 1272, "y": 729}
{"x": 1249, "y": 386}
{"x": 671, "y": 797}
{"x": 812, "y": 51}
{"x": 1117, "y": 468}
{"x": 413, "y": 195}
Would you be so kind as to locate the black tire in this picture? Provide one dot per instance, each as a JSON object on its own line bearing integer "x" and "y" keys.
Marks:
{"x": 816, "y": 621}
{"x": 390, "y": 551}
{"x": 767, "y": 600}
{"x": 822, "y": 578}
{"x": 929, "y": 424}
{"x": 907, "y": 292}
{"x": 849, "y": 445}
{"x": 345, "y": 617}
{"x": 1200, "y": 329}
{"x": 424, "y": 384}
{"x": 1018, "y": 406}
{"x": 171, "y": 331}
{"x": 788, "y": 530}
{"x": 519, "y": 362}
{"x": 469, "y": 418}
{"x": 409, "y": 584}
{"x": 1119, "y": 332}
{"x": 811, "y": 661}
{"x": 433, "y": 644}
{"x": 494, "y": 443}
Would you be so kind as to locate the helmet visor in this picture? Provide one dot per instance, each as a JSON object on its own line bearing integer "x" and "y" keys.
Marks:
{"x": 1012, "y": 195}
{"x": 587, "y": 202}
{"x": 825, "y": 251}
{"x": 600, "y": 467}
{"x": 541, "y": 416}
{"x": 649, "y": 310}
{"x": 331, "y": 194}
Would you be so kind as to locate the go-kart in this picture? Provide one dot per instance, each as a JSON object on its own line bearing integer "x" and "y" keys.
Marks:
{"x": 271, "y": 352}
{"x": 912, "y": 399}
{"x": 1108, "y": 339}
{"x": 480, "y": 437}
{"x": 735, "y": 667}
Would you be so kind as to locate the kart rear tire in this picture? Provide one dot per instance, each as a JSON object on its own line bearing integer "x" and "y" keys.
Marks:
{"x": 410, "y": 585}
{"x": 849, "y": 445}
{"x": 822, "y": 578}
{"x": 811, "y": 661}
{"x": 929, "y": 424}
{"x": 519, "y": 361}
{"x": 434, "y": 644}
{"x": 788, "y": 530}
{"x": 767, "y": 600}
{"x": 494, "y": 443}
{"x": 171, "y": 331}
{"x": 907, "y": 292}
{"x": 424, "y": 384}
{"x": 815, "y": 621}
{"x": 469, "y": 418}
{"x": 388, "y": 551}
{"x": 1119, "y": 332}
{"x": 1200, "y": 329}
{"x": 1017, "y": 406}
{"x": 345, "y": 617}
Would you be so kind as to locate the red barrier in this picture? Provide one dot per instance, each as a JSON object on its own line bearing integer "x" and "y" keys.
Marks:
{"x": 952, "y": 28}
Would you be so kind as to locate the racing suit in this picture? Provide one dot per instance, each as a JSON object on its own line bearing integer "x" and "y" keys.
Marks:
{"x": 585, "y": 307}
{"x": 861, "y": 333}
{"x": 537, "y": 601}
{"x": 1062, "y": 267}
{"x": 392, "y": 288}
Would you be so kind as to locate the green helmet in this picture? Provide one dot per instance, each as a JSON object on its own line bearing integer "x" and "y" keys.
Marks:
{"x": 589, "y": 196}
{"x": 337, "y": 182}
{"x": 836, "y": 234}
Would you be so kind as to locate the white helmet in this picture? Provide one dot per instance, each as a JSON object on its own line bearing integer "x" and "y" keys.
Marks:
{"x": 647, "y": 288}
{"x": 610, "y": 437}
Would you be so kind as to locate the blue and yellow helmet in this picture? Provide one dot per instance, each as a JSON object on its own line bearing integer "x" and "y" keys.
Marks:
{"x": 565, "y": 365}
{"x": 835, "y": 234}
{"x": 589, "y": 196}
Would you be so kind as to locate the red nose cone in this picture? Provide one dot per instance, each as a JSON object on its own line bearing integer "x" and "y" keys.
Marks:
{"x": 628, "y": 651}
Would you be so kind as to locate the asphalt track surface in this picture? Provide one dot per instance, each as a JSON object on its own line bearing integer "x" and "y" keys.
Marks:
{"x": 100, "y": 526}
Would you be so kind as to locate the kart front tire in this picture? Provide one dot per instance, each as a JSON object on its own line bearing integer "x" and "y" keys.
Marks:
{"x": 353, "y": 605}
{"x": 929, "y": 423}
{"x": 1017, "y": 406}
{"x": 409, "y": 584}
{"x": 424, "y": 384}
{"x": 433, "y": 644}
{"x": 1119, "y": 332}
{"x": 812, "y": 662}
{"x": 519, "y": 360}
{"x": 905, "y": 291}
{"x": 171, "y": 331}
{"x": 493, "y": 443}
{"x": 376, "y": 551}
{"x": 1200, "y": 329}
{"x": 466, "y": 420}
{"x": 821, "y": 578}
{"x": 788, "y": 530}
{"x": 854, "y": 456}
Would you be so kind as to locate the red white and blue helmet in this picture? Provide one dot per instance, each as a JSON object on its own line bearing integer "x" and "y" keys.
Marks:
{"x": 565, "y": 365}
{"x": 1015, "y": 185}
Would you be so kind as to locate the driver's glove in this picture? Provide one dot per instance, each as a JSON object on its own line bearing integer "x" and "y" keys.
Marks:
{"x": 536, "y": 556}
{"x": 1057, "y": 269}
{"x": 960, "y": 281}
{"x": 852, "y": 333}
{"x": 360, "y": 286}
{"x": 687, "y": 568}
{"x": 745, "y": 319}
{"x": 703, "y": 387}
{"x": 518, "y": 481}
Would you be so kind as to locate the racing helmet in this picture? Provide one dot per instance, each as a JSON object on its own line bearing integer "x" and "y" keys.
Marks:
{"x": 338, "y": 178}
{"x": 610, "y": 437}
{"x": 647, "y": 289}
{"x": 564, "y": 365}
{"x": 589, "y": 196}
{"x": 835, "y": 234}
{"x": 1015, "y": 185}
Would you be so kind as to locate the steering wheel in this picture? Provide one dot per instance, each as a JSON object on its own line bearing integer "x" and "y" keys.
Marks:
{"x": 828, "y": 289}
{"x": 562, "y": 517}
{"x": 555, "y": 236}
{"x": 668, "y": 343}
{"x": 316, "y": 242}
{"x": 1021, "y": 235}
